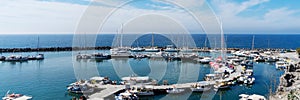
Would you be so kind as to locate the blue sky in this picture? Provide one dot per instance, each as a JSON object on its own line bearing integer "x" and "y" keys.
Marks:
{"x": 237, "y": 16}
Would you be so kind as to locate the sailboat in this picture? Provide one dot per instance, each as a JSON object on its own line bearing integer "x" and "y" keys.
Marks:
{"x": 152, "y": 49}
{"x": 39, "y": 56}
{"x": 137, "y": 49}
{"x": 120, "y": 52}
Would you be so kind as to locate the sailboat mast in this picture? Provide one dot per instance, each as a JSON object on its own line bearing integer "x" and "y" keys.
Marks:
{"x": 152, "y": 40}
{"x": 121, "y": 40}
{"x": 253, "y": 42}
{"x": 38, "y": 44}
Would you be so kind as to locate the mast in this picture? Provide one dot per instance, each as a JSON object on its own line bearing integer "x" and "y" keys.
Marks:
{"x": 253, "y": 42}
{"x": 205, "y": 42}
{"x": 38, "y": 44}
{"x": 121, "y": 40}
{"x": 152, "y": 40}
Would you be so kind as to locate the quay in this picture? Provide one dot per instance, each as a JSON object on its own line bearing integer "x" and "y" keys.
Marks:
{"x": 109, "y": 90}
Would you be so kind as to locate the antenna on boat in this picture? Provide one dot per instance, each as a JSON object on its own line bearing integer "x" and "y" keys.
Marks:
{"x": 152, "y": 39}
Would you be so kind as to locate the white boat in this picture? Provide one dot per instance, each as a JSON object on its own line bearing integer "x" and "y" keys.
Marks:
{"x": 14, "y": 96}
{"x": 201, "y": 86}
{"x": 126, "y": 96}
{"x": 174, "y": 91}
{"x": 120, "y": 52}
{"x": 40, "y": 57}
{"x": 152, "y": 49}
{"x": 134, "y": 80}
{"x": 170, "y": 48}
{"x": 205, "y": 60}
{"x": 16, "y": 58}
{"x": 251, "y": 97}
{"x": 281, "y": 65}
{"x": 137, "y": 49}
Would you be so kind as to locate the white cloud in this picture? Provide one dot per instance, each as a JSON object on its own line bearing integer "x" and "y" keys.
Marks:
{"x": 278, "y": 20}
{"x": 31, "y": 16}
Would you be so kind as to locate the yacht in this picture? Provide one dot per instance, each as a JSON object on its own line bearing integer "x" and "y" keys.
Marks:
{"x": 170, "y": 48}
{"x": 100, "y": 56}
{"x": 137, "y": 49}
{"x": 281, "y": 65}
{"x": 120, "y": 53}
{"x": 14, "y": 96}
{"x": 152, "y": 49}
{"x": 16, "y": 58}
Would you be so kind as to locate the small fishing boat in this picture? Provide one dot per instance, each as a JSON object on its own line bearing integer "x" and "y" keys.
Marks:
{"x": 14, "y": 96}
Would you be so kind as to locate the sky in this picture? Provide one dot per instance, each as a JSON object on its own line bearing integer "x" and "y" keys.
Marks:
{"x": 107, "y": 16}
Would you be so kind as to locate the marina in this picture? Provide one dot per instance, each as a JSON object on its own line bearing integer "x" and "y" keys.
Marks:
{"x": 240, "y": 73}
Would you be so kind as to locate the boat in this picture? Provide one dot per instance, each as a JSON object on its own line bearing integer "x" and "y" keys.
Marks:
{"x": 135, "y": 80}
{"x": 143, "y": 91}
{"x": 126, "y": 96}
{"x": 2, "y": 58}
{"x": 100, "y": 56}
{"x": 251, "y": 97}
{"x": 79, "y": 88}
{"x": 40, "y": 57}
{"x": 152, "y": 49}
{"x": 170, "y": 48}
{"x": 201, "y": 86}
{"x": 14, "y": 96}
{"x": 16, "y": 58}
{"x": 205, "y": 60}
{"x": 281, "y": 65}
{"x": 174, "y": 90}
{"x": 221, "y": 84}
{"x": 137, "y": 49}
{"x": 120, "y": 52}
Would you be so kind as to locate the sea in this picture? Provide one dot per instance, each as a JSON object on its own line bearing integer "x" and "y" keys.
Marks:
{"x": 47, "y": 79}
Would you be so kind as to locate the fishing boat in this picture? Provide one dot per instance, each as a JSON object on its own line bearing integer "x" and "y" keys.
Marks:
{"x": 14, "y": 96}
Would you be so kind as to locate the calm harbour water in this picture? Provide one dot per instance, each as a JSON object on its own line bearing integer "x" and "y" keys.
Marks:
{"x": 47, "y": 79}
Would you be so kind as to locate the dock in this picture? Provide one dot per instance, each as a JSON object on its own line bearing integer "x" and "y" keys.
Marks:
{"x": 112, "y": 89}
